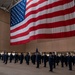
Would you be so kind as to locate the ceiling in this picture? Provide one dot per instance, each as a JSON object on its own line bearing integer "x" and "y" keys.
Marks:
{"x": 7, "y": 4}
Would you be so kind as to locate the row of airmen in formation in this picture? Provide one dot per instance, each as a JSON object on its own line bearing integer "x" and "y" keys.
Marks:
{"x": 36, "y": 57}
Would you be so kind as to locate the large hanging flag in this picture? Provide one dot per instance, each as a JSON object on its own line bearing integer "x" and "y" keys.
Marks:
{"x": 41, "y": 19}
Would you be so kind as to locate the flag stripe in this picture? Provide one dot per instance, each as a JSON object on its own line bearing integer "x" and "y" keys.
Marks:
{"x": 52, "y": 3}
{"x": 43, "y": 36}
{"x": 48, "y": 31}
{"x": 53, "y": 25}
{"x": 44, "y": 6}
{"x": 55, "y": 18}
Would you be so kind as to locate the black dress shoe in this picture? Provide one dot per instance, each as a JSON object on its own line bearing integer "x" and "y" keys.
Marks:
{"x": 50, "y": 70}
{"x": 37, "y": 67}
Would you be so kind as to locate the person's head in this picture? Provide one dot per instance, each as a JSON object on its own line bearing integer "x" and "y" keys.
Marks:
{"x": 50, "y": 53}
{"x": 21, "y": 53}
{"x": 53, "y": 53}
{"x": 27, "y": 53}
{"x": 69, "y": 53}
{"x": 44, "y": 53}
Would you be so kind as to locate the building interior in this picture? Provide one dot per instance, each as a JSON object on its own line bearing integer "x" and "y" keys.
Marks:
{"x": 57, "y": 45}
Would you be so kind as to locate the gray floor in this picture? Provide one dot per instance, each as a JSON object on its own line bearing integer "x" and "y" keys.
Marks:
{"x": 23, "y": 69}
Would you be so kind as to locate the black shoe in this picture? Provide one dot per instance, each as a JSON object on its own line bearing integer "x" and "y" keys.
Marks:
{"x": 50, "y": 70}
{"x": 70, "y": 69}
{"x": 44, "y": 66}
{"x": 37, "y": 67}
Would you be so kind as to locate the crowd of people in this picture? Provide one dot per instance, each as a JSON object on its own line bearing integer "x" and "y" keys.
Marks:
{"x": 36, "y": 58}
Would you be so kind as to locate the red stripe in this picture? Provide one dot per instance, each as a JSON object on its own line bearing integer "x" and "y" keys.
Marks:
{"x": 46, "y": 7}
{"x": 60, "y": 2}
{"x": 50, "y": 15}
{"x": 46, "y": 36}
{"x": 41, "y": 26}
{"x": 35, "y": 4}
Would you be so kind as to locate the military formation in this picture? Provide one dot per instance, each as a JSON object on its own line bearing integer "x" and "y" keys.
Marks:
{"x": 37, "y": 59}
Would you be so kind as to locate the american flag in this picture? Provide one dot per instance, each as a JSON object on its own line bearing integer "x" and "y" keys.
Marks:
{"x": 41, "y": 19}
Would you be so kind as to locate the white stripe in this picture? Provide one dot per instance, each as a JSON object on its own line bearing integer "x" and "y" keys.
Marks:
{"x": 49, "y": 20}
{"x": 40, "y": 13}
{"x": 53, "y": 9}
{"x": 39, "y": 6}
{"x": 33, "y": 1}
{"x": 47, "y": 1}
{"x": 28, "y": 0}
{"x": 45, "y": 31}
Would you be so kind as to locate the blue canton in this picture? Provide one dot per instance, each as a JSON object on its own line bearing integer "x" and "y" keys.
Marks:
{"x": 17, "y": 13}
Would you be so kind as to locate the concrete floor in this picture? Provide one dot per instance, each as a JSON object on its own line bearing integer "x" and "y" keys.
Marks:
{"x": 23, "y": 69}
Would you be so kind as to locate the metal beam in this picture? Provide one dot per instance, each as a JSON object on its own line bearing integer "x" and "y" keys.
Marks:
{"x": 7, "y": 4}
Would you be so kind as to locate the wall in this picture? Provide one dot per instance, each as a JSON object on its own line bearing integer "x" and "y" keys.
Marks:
{"x": 63, "y": 44}
{"x": 4, "y": 30}
{"x": 5, "y": 34}
{"x": 59, "y": 45}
